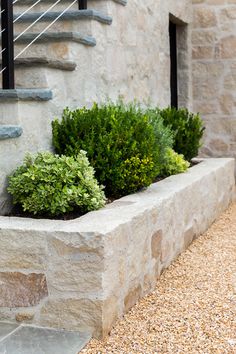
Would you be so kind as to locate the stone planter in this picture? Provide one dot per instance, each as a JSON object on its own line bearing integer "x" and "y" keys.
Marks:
{"x": 85, "y": 273}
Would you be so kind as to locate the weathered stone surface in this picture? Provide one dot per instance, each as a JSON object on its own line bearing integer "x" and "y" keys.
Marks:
{"x": 24, "y": 317}
{"x": 21, "y": 290}
{"x": 132, "y": 297}
{"x": 99, "y": 265}
{"x": 10, "y": 131}
{"x": 156, "y": 244}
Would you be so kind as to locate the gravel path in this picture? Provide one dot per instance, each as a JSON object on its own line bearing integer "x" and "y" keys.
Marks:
{"x": 193, "y": 308}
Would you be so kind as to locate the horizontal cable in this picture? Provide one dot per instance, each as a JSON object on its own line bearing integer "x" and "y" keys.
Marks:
{"x": 27, "y": 10}
{"x": 45, "y": 29}
{"x": 39, "y": 18}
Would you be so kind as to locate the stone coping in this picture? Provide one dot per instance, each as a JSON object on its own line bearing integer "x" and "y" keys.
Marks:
{"x": 112, "y": 215}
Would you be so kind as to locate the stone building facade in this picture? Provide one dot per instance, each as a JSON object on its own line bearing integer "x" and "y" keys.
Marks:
{"x": 214, "y": 73}
{"x": 124, "y": 51}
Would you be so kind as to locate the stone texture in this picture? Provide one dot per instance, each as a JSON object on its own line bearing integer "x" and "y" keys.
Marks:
{"x": 98, "y": 266}
{"x": 214, "y": 91}
{"x": 28, "y": 340}
{"x": 132, "y": 297}
{"x": 21, "y": 290}
{"x": 10, "y": 131}
{"x": 156, "y": 244}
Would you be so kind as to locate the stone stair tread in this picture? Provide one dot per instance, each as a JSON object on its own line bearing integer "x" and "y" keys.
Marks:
{"x": 9, "y": 132}
{"x": 26, "y": 339}
{"x": 29, "y": 2}
{"x": 68, "y": 65}
{"x": 68, "y": 15}
{"x": 58, "y": 36}
{"x": 26, "y": 95}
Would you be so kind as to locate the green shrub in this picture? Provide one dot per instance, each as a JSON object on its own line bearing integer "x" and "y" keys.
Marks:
{"x": 174, "y": 163}
{"x": 187, "y": 129}
{"x": 124, "y": 145}
{"x": 53, "y": 185}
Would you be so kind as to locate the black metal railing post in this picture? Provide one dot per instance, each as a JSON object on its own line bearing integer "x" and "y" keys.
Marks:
{"x": 8, "y": 80}
{"x": 83, "y": 4}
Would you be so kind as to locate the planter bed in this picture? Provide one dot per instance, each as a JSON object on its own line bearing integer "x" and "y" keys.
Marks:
{"x": 83, "y": 274}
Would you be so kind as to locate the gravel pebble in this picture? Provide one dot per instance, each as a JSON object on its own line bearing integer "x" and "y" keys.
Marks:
{"x": 193, "y": 308}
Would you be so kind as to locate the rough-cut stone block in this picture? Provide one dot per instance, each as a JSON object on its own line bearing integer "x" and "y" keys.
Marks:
{"x": 22, "y": 290}
{"x": 156, "y": 244}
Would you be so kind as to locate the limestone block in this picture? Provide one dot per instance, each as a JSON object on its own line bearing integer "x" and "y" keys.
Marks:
{"x": 228, "y": 47}
{"x": 204, "y": 17}
{"x": 22, "y": 290}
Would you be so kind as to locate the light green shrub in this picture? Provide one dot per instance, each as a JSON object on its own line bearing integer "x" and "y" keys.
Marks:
{"x": 53, "y": 185}
{"x": 174, "y": 164}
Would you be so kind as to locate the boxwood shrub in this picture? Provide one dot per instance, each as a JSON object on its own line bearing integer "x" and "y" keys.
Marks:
{"x": 53, "y": 185}
{"x": 125, "y": 145}
{"x": 187, "y": 129}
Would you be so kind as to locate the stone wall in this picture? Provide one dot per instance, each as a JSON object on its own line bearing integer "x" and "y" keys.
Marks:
{"x": 85, "y": 273}
{"x": 214, "y": 73}
{"x": 130, "y": 60}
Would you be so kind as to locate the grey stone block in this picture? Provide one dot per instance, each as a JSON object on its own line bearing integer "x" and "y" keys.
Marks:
{"x": 26, "y": 95}
{"x": 10, "y": 131}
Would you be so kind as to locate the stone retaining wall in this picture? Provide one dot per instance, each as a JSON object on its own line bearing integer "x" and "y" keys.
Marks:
{"x": 85, "y": 273}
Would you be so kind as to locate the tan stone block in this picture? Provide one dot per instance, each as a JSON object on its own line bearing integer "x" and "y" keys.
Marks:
{"x": 110, "y": 314}
{"x": 228, "y": 14}
{"x": 132, "y": 297}
{"x": 216, "y": 2}
{"x": 228, "y": 47}
{"x": 204, "y": 17}
{"x": 227, "y": 104}
{"x": 200, "y": 52}
{"x": 156, "y": 244}
{"x": 204, "y": 38}
{"x": 219, "y": 145}
{"x": 73, "y": 314}
{"x": 205, "y": 108}
{"x": 24, "y": 317}
{"x": 22, "y": 251}
{"x": 22, "y": 290}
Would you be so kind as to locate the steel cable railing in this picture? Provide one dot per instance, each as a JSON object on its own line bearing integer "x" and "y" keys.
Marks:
{"x": 7, "y": 34}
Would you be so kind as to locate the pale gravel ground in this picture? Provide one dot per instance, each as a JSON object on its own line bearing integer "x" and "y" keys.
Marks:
{"x": 193, "y": 308}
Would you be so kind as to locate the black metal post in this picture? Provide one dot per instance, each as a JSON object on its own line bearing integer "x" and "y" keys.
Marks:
{"x": 83, "y": 4}
{"x": 8, "y": 80}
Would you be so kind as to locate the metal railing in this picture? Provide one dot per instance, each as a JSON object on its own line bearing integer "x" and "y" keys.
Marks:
{"x": 8, "y": 38}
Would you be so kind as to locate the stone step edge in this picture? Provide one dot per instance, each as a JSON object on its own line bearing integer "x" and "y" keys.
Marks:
{"x": 10, "y": 132}
{"x": 59, "y": 37}
{"x": 29, "y": 2}
{"x": 69, "y": 15}
{"x": 25, "y": 95}
{"x": 67, "y": 65}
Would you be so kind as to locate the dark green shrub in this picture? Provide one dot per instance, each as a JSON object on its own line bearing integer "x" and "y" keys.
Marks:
{"x": 174, "y": 163}
{"x": 187, "y": 129}
{"x": 53, "y": 185}
{"x": 124, "y": 144}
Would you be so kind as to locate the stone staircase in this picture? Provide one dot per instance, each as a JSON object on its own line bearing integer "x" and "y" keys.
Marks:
{"x": 63, "y": 67}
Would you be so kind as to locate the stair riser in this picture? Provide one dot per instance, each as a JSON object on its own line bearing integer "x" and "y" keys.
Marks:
{"x": 55, "y": 50}
{"x": 41, "y": 7}
{"x": 83, "y": 26}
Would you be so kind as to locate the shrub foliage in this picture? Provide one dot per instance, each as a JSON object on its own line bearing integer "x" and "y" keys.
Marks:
{"x": 187, "y": 129}
{"x": 125, "y": 145}
{"x": 174, "y": 164}
{"x": 54, "y": 185}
